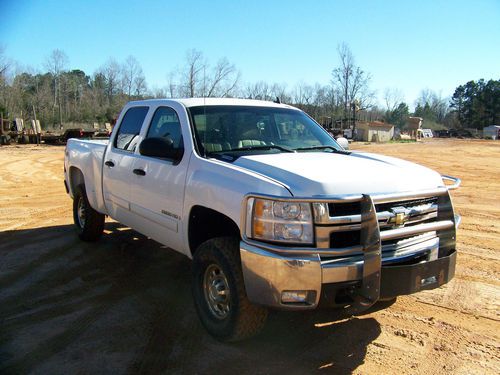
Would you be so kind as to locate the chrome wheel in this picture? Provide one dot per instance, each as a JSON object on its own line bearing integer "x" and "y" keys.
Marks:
{"x": 216, "y": 289}
{"x": 81, "y": 212}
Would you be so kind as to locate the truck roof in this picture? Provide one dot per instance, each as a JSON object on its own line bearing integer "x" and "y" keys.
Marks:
{"x": 196, "y": 102}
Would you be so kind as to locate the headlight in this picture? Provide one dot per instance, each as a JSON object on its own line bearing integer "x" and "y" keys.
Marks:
{"x": 279, "y": 221}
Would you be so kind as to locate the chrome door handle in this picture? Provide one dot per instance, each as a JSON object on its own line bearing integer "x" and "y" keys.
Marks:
{"x": 139, "y": 172}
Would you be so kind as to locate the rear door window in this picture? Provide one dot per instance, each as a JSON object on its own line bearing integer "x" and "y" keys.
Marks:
{"x": 128, "y": 134}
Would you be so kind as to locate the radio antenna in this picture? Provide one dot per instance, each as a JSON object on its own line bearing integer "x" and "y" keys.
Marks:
{"x": 204, "y": 112}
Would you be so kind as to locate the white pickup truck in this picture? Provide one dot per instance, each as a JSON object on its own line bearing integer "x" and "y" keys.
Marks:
{"x": 272, "y": 210}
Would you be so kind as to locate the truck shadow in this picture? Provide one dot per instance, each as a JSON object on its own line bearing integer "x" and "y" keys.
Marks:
{"x": 123, "y": 305}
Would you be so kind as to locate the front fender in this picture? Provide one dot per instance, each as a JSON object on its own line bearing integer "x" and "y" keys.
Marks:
{"x": 222, "y": 187}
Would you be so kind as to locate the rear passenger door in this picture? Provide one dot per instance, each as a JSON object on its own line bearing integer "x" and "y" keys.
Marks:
{"x": 157, "y": 194}
{"x": 118, "y": 164}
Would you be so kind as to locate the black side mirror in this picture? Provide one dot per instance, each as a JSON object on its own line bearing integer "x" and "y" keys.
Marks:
{"x": 159, "y": 147}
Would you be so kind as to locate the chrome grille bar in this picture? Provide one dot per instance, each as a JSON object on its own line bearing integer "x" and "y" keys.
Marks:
{"x": 415, "y": 229}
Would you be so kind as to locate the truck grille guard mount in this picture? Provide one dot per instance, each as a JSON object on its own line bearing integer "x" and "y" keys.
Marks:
{"x": 371, "y": 236}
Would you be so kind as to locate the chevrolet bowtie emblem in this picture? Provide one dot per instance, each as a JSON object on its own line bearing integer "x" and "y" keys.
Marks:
{"x": 400, "y": 218}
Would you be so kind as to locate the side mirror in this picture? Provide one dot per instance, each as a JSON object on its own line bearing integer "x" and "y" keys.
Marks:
{"x": 159, "y": 147}
{"x": 343, "y": 142}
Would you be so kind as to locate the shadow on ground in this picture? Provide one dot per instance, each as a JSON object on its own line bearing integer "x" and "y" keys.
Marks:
{"x": 123, "y": 305}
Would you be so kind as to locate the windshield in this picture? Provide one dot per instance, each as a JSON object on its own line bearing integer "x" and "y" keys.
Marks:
{"x": 243, "y": 129}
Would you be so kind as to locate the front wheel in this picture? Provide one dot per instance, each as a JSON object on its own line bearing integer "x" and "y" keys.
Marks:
{"x": 89, "y": 223}
{"x": 219, "y": 292}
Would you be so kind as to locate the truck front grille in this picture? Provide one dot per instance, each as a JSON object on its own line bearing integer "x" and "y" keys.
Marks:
{"x": 408, "y": 227}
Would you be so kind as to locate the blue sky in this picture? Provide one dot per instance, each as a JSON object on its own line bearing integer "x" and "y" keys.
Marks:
{"x": 409, "y": 45}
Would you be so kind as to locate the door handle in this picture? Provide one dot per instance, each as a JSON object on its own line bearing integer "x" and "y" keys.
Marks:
{"x": 139, "y": 172}
{"x": 109, "y": 163}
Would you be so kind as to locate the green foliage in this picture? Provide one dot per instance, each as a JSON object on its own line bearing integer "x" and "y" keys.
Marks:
{"x": 477, "y": 104}
{"x": 426, "y": 112}
{"x": 398, "y": 116}
{"x": 428, "y": 124}
{"x": 403, "y": 141}
{"x": 431, "y": 106}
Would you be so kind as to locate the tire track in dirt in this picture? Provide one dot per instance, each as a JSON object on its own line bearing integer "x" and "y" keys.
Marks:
{"x": 121, "y": 284}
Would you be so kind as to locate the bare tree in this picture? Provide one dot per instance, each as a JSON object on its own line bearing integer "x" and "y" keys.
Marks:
{"x": 342, "y": 75}
{"x": 431, "y": 105}
{"x": 197, "y": 78}
{"x": 56, "y": 64}
{"x": 193, "y": 76}
{"x": 426, "y": 96}
{"x": 259, "y": 90}
{"x": 278, "y": 90}
{"x": 111, "y": 74}
{"x": 303, "y": 94}
{"x": 365, "y": 99}
{"x": 158, "y": 92}
{"x": 4, "y": 63}
{"x": 140, "y": 86}
{"x": 352, "y": 81}
{"x": 132, "y": 75}
{"x": 172, "y": 88}
{"x": 223, "y": 80}
{"x": 392, "y": 98}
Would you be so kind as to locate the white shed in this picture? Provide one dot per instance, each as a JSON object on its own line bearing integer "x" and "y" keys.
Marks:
{"x": 492, "y": 131}
{"x": 374, "y": 131}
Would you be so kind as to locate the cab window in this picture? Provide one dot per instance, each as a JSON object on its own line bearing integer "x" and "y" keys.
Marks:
{"x": 127, "y": 137}
{"x": 166, "y": 124}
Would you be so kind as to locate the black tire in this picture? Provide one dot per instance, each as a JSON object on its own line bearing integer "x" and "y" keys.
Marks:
{"x": 89, "y": 223}
{"x": 242, "y": 318}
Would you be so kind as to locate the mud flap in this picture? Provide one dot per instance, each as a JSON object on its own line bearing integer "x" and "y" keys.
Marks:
{"x": 369, "y": 292}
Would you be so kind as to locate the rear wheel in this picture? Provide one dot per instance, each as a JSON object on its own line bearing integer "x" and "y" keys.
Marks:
{"x": 89, "y": 222}
{"x": 219, "y": 292}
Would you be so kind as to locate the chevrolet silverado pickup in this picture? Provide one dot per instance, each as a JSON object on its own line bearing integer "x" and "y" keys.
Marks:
{"x": 273, "y": 212}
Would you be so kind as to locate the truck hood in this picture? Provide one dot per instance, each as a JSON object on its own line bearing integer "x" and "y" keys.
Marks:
{"x": 324, "y": 173}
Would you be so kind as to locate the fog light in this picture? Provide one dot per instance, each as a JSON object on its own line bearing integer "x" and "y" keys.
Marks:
{"x": 295, "y": 296}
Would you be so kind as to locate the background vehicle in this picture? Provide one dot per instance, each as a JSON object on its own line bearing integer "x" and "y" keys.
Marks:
{"x": 57, "y": 137}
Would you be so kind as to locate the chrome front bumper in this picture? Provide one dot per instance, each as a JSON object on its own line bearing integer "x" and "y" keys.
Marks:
{"x": 267, "y": 275}
{"x": 269, "y": 270}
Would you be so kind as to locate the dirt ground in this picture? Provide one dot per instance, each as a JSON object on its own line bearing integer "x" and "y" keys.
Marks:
{"x": 123, "y": 305}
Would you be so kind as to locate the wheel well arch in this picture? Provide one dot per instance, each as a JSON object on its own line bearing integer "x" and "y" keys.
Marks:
{"x": 75, "y": 178}
{"x": 205, "y": 223}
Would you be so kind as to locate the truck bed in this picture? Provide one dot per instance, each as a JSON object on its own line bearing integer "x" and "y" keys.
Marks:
{"x": 87, "y": 156}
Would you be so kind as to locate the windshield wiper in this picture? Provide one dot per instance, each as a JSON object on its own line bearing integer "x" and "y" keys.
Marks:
{"x": 263, "y": 147}
{"x": 333, "y": 149}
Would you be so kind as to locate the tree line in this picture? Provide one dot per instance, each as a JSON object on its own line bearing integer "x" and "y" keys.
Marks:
{"x": 477, "y": 103}
{"x": 59, "y": 95}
